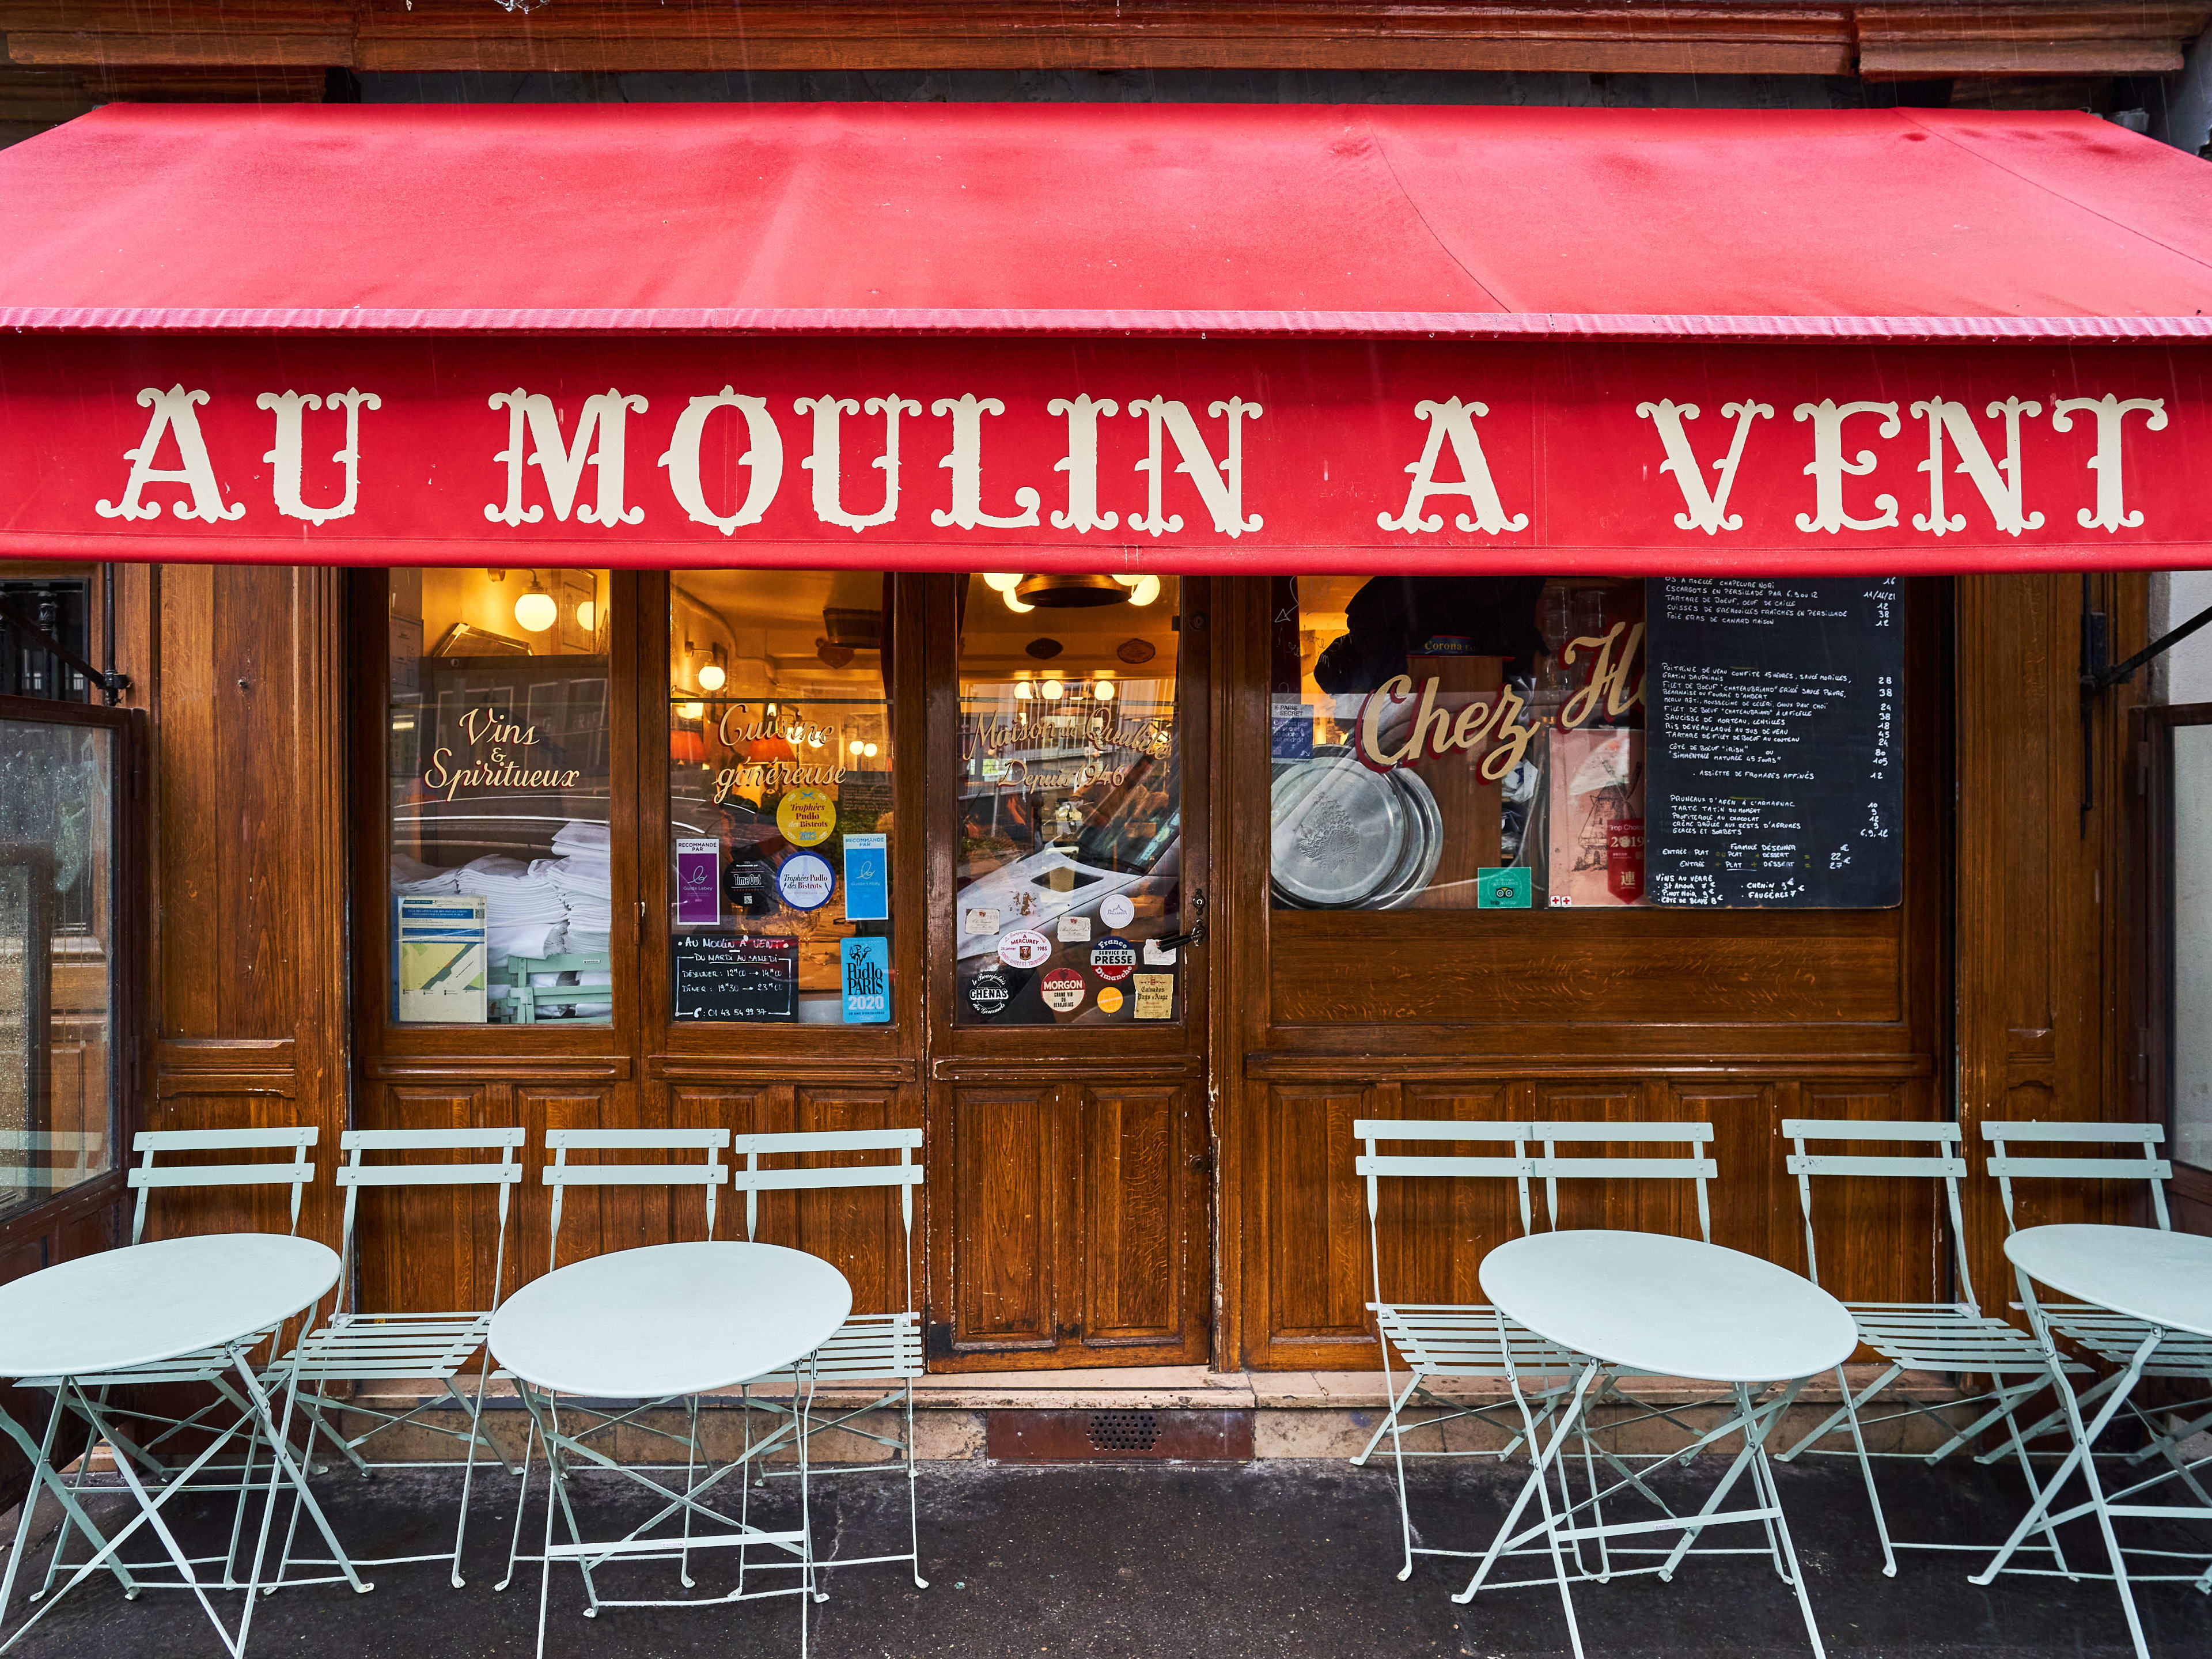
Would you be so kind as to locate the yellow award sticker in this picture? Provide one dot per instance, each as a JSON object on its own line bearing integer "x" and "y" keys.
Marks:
{"x": 807, "y": 818}
{"x": 1155, "y": 996}
{"x": 1109, "y": 1000}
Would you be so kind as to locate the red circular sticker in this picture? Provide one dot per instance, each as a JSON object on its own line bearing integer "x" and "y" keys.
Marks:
{"x": 1024, "y": 947}
{"x": 1063, "y": 990}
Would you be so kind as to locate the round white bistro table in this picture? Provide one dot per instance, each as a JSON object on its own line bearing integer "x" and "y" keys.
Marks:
{"x": 1628, "y": 1302}
{"x": 132, "y": 1307}
{"x": 2163, "y": 1279}
{"x": 664, "y": 1322}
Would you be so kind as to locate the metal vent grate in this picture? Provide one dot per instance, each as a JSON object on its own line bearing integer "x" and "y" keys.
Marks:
{"x": 1121, "y": 1432}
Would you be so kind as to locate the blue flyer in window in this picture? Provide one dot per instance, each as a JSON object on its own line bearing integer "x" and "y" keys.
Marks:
{"x": 867, "y": 970}
{"x": 867, "y": 879}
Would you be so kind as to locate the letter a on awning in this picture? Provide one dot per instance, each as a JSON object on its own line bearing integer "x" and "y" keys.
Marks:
{"x": 1227, "y": 338}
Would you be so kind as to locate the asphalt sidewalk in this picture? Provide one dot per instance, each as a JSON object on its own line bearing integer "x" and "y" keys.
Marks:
{"x": 1284, "y": 1560}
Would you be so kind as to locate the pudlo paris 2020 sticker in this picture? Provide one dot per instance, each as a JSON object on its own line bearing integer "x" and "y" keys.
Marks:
{"x": 1063, "y": 990}
{"x": 805, "y": 880}
{"x": 1112, "y": 958}
{"x": 806, "y": 817}
{"x": 1109, "y": 1000}
{"x": 1116, "y": 910}
{"x": 1024, "y": 947}
{"x": 990, "y": 990}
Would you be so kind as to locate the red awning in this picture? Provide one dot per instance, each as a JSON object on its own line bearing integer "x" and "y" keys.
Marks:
{"x": 1229, "y": 337}
{"x": 1220, "y": 219}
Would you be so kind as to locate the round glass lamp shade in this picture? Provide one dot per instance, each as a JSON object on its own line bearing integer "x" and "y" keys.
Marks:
{"x": 536, "y": 610}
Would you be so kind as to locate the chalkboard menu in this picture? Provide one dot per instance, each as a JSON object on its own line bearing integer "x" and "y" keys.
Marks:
{"x": 727, "y": 976}
{"x": 1774, "y": 760}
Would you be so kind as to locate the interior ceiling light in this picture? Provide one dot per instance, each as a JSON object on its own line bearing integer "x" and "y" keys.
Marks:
{"x": 691, "y": 711}
{"x": 536, "y": 610}
{"x": 1143, "y": 589}
{"x": 587, "y": 616}
{"x": 1054, "y": 691}
{"x": 872, "y": 751}
{"x": 1003, "y": 585}
{"x": 1053, "y": 590}
{"x": 1022, "y": 692}
{"x": 712, "y": 677}
{"x": 1104, "y": 691}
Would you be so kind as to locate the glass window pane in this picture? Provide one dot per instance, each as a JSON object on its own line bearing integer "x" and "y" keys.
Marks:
{"x": 780, "y": 797}
{"x": 57, "y": 966}
{"x": 1457, "y": 743}
{"x": 1069, "y": 826}
{"x": 499, "y": 790}
{"x": 2192, "y": 945}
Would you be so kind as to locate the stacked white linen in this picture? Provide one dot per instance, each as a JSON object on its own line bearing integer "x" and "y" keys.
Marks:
{"x": 413, "y": 876}
{"x": 580, "y": 872}
{"x": 524, "y": 914}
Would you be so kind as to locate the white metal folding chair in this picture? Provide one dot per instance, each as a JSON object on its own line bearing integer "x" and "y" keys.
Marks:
{"x": 1953, "y": 1336}
{"x": 1459, "y": 1341}
{"x": 356, "y": 1347}
{"x": 869, "y": 1348}
{"x": 709, "y": 1174}
{"x": 209, "y": 1368}
{"x": 2113, "y": 1338}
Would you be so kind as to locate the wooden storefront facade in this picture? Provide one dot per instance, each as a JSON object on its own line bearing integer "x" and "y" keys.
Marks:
{"x": 1191, "y": 1202}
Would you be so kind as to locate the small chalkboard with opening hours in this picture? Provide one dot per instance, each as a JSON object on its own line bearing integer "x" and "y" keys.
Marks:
{"x": 729, "y": 976}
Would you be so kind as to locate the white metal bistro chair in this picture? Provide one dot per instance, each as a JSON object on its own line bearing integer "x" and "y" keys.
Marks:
{"x": 356, "y": 1347}
{"x": 1951, "y": 1336}
{"x": 869, "y": 1349}
{"x": 2113, "y": 1338}
{"x": 1459, "y": 1341}
{"x": 709, "y": 1174}
{"x": 209, "y": 1368}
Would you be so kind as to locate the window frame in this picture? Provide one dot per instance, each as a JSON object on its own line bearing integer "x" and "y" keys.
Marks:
{"x": 31, "y": 1231}
{"x": 2154, "y": 734}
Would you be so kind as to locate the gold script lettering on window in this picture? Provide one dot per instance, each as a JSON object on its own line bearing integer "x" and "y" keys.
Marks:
{"x": 1457, "y": 743}
{"x": 780, "y": 797}
{"x": 498, "y": 778}
{"x": 1070, "y": 822}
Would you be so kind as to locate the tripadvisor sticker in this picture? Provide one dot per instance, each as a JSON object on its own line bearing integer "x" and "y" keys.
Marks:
{"x": 1109, "y": 1000}
{"x": 806, "y": 818}
{"x": 1502, "y": 889}
{"x": 990, "y": 990}
{"x": 1063, "y": 990}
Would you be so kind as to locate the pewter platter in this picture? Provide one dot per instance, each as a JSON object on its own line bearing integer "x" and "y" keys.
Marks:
{"x": 1338, "y": 832}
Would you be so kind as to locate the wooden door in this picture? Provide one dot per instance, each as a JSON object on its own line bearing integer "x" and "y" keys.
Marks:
{"x": 1068, "y": 1149}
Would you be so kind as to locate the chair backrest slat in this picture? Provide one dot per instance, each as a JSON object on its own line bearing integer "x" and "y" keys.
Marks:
{"x": 505, "y": 1172}
{"x": 2008, "y": 1166}
{"x": 1697, "y": 1167}
{"x": 906, "y": 1175}
{"x": 709, "y": 1174}
{"x": 146, "y": 1177}
{"x": 1371, "y": 1165}
{"x": 1946, "y": 1165}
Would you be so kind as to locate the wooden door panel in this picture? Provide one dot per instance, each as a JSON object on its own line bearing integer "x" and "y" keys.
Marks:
{"x": 1134, "y": 1180}
{"x": 1316, "y": 1211}
{"x": 1008, "y": 1169}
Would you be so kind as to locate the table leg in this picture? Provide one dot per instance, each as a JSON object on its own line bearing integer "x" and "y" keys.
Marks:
{"x": 42, "y": 1473}
{"x": 149, "y": 1513}
{"x": 1537, "y": 1486}
{"x": 1755, "y": 1431}
{"x": 284, "y": 1468}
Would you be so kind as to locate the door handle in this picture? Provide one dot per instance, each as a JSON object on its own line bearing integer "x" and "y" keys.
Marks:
{"x": 1197, "y": 933}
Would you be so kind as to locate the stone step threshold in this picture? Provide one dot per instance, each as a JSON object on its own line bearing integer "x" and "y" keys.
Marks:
{"x": 1287, "y": 1414}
